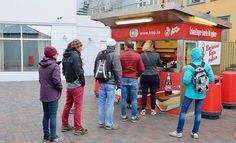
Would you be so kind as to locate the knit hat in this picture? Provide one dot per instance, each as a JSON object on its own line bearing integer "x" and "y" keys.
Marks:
{"x": 50, "y": 51}
{"x": 110, "y": 42}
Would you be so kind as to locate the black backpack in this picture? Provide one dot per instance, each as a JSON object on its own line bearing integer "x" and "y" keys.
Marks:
{"x": 200, "y": 78}
{"x": 103, "y": 66}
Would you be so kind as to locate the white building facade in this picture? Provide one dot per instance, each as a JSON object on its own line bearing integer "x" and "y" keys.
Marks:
{"x": 28, "y": 26}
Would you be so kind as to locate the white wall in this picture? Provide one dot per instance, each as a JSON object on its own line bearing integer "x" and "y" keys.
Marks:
{"x": 69, "y": 27}
{"x": 39, "y": 11}
{"x": 92, "y": 34}
{"x": 58, "y": 42}
{"x": 60, "y": 14}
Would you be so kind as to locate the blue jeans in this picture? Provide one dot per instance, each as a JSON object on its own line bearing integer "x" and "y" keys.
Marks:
{"x": 197, "y": 113}
{"x": 106, "y": 100}
{"x": 50, "y": 115}
{"x": 129, "y": 89}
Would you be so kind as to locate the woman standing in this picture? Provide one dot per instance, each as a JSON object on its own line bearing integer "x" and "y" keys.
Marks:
{"x": 149, "y": 78}
{"x": 75, "y": 82}
{"x": 50, "y": 92}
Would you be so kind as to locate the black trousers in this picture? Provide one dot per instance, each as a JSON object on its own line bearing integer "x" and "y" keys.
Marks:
{"x": 149, "y": 82}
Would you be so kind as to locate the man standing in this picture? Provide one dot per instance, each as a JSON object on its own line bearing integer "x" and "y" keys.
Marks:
{"x": 107, "y": 86}
{"x": 132, "y": 68}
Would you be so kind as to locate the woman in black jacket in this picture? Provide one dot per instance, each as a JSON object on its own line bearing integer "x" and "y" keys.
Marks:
{"x": 72, "y": 69}
{"x": 149, "y": 79}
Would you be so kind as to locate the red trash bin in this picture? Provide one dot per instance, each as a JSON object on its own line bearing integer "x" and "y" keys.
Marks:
{"x": 228, "y": 89}
{"x": 211, "y": 107}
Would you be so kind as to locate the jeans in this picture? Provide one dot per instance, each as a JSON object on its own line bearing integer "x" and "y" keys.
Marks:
{"x": 149, "y": 81}
{"x": 73, "y": 95}
{"x": 129, "y": 89}
{"x": 197, "y": 113}
{"x": 106, "y": 100}
{"x": 50, "y": 115}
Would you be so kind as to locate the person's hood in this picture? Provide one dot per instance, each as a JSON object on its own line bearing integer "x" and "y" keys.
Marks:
{"x": 45, "y": 62}
{"x": 197, "y": 54}
{"x": 69, "y": 53}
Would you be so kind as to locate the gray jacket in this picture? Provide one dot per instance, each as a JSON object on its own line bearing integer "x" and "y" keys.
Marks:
{"x": 155, "y": 58}
{"x": 116, "y": 74}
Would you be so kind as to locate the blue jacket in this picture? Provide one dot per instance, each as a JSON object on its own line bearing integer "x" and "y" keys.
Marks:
{"x": 190, "y": 92}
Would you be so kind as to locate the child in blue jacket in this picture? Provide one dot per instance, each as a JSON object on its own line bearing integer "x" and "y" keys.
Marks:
{"x": 191, "y": 94}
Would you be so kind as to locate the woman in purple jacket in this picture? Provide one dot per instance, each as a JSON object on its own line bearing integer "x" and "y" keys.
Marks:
{"x": 50, "y": 92}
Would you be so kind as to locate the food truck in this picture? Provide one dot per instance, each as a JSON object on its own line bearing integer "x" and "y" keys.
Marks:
{"x": 174, "y": 31}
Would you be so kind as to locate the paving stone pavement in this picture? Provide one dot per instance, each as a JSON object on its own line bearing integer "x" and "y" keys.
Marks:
{"x": 21, "y": 117}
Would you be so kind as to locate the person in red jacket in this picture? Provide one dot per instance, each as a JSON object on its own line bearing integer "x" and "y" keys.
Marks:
{"x": 132, "y": 68}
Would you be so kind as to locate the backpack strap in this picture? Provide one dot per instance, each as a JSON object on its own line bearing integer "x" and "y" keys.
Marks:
{"x": 104, "y": 51}
{"x": 193, "y": 65}
{"x": 203, "y": 64}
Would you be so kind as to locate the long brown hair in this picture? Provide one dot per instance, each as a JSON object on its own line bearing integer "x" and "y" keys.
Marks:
{"x": 75, "y": 44}
{"x": 148, "y": 46}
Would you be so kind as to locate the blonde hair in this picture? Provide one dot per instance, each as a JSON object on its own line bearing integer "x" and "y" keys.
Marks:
{"x": 148, "y": 46}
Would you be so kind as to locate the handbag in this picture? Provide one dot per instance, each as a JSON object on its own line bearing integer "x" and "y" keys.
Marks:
{"x": 154, "y": 68}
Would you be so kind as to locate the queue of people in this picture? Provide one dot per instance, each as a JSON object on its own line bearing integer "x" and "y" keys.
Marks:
{"x": 122, "y": 72}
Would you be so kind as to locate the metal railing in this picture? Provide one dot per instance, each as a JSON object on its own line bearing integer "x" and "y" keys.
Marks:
{"x": 120, "y": 5}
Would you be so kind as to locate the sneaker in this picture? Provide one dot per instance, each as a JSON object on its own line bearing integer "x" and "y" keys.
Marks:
{"x": 134, "y": 119}
{"x": 176, "y": 134}
{"x": 102, "y": 126}
{"x": 125, "y": 118}
{"x": 195, "y": 135}
{"x": 113, "y": 127}
{"x": 143, "y": 112}
{"x": 46, "y": 139}
{"x": 57, "y": 140}
{"x": 82, "y": 131}
{"x": 153, "y": 112}
{"x": 66, "y": 129}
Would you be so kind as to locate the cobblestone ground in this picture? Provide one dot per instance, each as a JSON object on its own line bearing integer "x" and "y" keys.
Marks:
{"x": 21, "y": 115}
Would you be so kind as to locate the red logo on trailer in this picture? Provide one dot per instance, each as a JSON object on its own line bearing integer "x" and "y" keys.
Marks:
{"x": 170, "y": 31}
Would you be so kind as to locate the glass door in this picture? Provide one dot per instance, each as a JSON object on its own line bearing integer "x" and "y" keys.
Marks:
{"x": 188, "y": 46}
{"x": 120, "y": 47}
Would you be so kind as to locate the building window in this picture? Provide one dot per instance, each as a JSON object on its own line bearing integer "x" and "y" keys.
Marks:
{"x": 190, "y": 2}
{"x": 225, "y": 32}
{"x": 22, "y": 46}
{"x": 143, "y": 3}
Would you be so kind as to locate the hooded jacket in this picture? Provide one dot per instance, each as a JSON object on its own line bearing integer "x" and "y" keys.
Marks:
{"x": 190, "y": 92}
{"x": 50, "y": 80}
{"x": 116, "y": 67}
{"x": 72, "y": 67}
